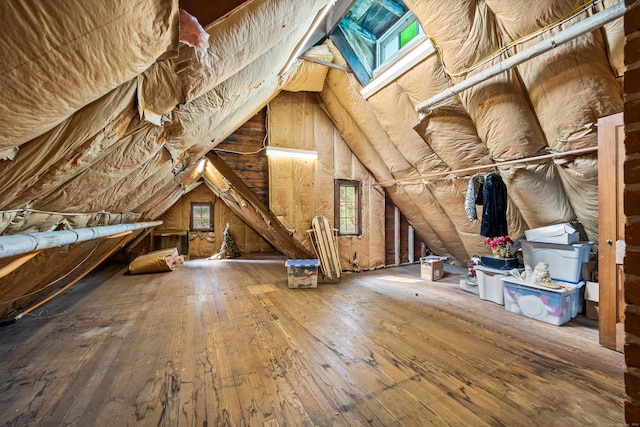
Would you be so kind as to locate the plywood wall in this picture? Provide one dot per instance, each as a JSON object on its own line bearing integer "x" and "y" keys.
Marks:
{"x": 301, "y": 189}
{"x": 204, "y": 244}
{"x": 243, "y": 152}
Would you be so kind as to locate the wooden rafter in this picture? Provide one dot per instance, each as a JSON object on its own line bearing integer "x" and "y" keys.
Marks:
{"x": 244, "y": 203}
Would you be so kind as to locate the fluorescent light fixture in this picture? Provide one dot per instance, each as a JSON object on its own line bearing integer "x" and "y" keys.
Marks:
{"x": 301, "y": 45}
{"x": 291, "y": 153}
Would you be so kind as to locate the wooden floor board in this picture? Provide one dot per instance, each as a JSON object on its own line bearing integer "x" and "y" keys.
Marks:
{"x": 227, "y": 343}
{"x": 319, "y": 358}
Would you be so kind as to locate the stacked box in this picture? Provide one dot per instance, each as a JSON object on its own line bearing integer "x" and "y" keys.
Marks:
{"x": 302, "y": 273}
{"x": 555, "y": 306}
{"x": 592, "y": 298}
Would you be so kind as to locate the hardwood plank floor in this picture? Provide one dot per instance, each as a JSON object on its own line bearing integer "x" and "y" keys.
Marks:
{"x": 227, "y": 343}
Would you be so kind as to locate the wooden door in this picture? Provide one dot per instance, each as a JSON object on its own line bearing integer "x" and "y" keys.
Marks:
{"x": 611, "y": 230}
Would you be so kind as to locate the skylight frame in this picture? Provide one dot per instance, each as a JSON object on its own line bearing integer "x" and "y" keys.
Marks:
{"x": 393, "y": 34}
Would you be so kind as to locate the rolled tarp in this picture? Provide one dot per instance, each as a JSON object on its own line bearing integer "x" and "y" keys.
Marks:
{"x": 156, "y": 262}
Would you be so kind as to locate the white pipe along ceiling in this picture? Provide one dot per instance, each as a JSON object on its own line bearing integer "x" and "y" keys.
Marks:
{"x": 24, "y": 243}
{"x": 589, "y": 24}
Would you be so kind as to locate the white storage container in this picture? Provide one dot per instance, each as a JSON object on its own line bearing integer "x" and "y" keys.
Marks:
{"x": 579, "y": 299}
{"x": 563, "y": 234}
{"x": 555, "y": 306}
{"x": 489, "y": 284}
{"x": 565, "y": 261}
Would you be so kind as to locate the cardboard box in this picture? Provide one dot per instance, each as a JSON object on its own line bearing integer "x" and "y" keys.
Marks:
{"x": 555, "y": 306}
{"x": 592, "y": 292}
{"x": 431, "y": 269}
{"x": 302, "y": 273}
{"x": 563, "y": 234}
{"x": 593, "y": 310}
{"x": 592, "y": 298}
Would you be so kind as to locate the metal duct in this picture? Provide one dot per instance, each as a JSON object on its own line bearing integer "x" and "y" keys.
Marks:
{"x": 18, "y": 244}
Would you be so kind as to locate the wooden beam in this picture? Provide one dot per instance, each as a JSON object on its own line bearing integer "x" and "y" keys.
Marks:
{"x": 340, "y": 40}
{"x": 354, "y": 29}
{"x": 244, "y": 203}
{"x": 392, "y": 7}
{"x": 209, "y": 12}
{"x": 17, "y": 263}
{"x": 396, "y": 235}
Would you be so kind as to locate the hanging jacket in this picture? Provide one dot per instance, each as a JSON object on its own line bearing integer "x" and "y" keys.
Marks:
{"x": 474, "y": 196}
{"x": 494, "y": 213}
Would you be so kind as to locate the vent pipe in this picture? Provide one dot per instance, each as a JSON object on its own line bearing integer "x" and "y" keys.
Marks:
{"x": 589, "y": 24}
{"x": 19, "y": 244}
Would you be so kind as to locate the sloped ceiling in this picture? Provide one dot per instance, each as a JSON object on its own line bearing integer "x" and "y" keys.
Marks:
{"x": 107, "y": 109}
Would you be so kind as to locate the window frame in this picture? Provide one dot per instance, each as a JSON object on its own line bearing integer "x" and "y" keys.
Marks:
{"x": 192, "y": 212}
{"x": 339, "y": 183}
{"x": 393, "y": 33}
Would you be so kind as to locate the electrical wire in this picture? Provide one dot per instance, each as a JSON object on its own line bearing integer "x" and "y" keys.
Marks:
{"x": 238, "y": 152}
{"x": 55, "y": 281}
{"x": 66, "y": 213}
{"x": 242, "y": 153}
{"x": 41, "y": 315}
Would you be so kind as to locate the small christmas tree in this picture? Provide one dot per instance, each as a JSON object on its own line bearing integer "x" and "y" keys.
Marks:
{"x": 229, "y": 248}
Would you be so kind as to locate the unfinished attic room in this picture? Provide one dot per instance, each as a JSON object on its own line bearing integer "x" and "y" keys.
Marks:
{"x": 320, "y": 213}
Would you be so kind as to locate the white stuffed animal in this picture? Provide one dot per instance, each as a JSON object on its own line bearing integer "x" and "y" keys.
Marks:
{"x": 542, "y": 276}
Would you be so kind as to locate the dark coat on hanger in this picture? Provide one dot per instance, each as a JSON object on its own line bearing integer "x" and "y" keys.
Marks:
{"x": 494, "y": 212}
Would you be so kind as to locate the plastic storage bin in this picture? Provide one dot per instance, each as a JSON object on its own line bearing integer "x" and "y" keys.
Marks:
{"x": 555, "y": 306}
{"x": 563, "y": 234}
{"x": 490, "y": 286}
{"x": 579, "y": 299}
{"x": 565, "y": 261}
{"x": 302, "y": 273}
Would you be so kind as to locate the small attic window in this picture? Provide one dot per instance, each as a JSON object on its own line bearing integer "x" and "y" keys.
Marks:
{"x": 201, "y": 216}
{"x": 348, "y": 212}
{"x": 402, "y": 35}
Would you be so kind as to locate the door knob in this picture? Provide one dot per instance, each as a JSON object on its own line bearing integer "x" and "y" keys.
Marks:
{"x": 609, "y": 242}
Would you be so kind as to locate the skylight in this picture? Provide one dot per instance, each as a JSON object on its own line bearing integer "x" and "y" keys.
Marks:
{"x": 374, "y": 34}
{"x": 401, "y": 35}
